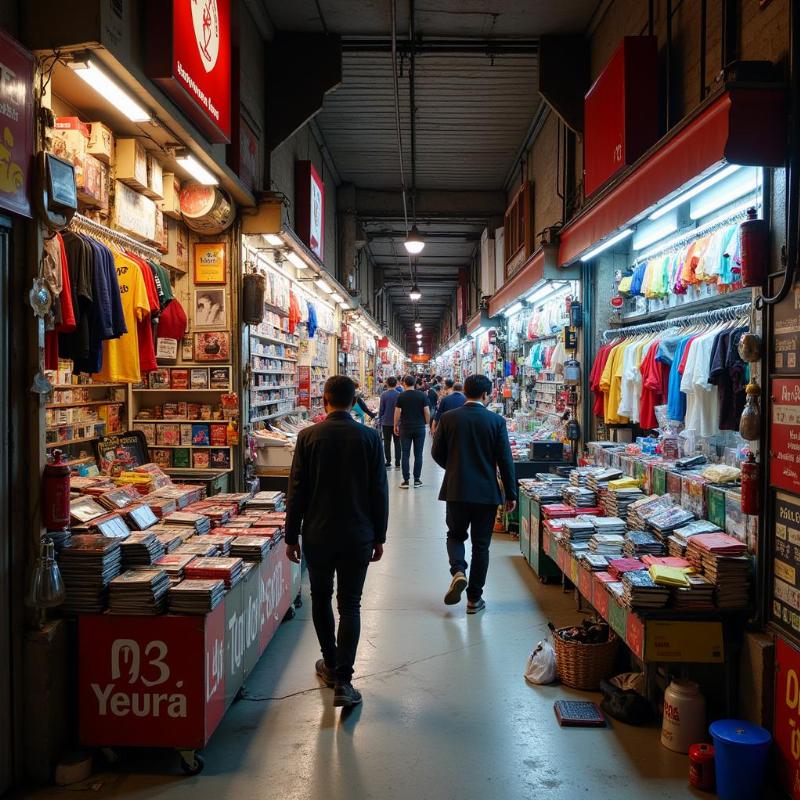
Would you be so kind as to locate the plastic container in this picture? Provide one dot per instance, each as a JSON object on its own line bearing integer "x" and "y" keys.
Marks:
{"x": 701, "y": 767}
{"x": 740, "y": 758}
{"x": 684, "y": 716}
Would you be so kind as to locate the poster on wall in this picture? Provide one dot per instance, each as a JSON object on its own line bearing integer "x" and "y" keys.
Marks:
{"x": 209, "y": 263}
{"x": 786, "y": 316}
{"x": 784, "y": 461}
{"x": 189, "y": 56}
{"x": 16, "y": 126}
{"x": 304, "y": 387}
{"x": 787, "y": 716}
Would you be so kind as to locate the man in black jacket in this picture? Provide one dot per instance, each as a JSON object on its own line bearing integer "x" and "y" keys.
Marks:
{"x": 339, "y": 496}
{"x": 471, "y": 444}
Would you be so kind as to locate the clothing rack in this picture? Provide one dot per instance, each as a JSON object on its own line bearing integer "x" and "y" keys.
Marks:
{"x": 679, "y": 241}
{"x": 716, "y": 315}
{"x": 89, "y": 226}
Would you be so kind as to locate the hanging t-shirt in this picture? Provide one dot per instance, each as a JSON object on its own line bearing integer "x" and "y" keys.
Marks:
{"x": 294, "y": 312}
{"x": 312, "y": 319}
{"x": 701, "y": 396}
{"x": 76, "y": 344}
{"x": 121, "y": 356}
{"x": 147, "y": 352}
{"x": 65, "y": 322}
{"x": 594, "y": 378}
{"x": 676, "y": 399}
{"x": 655, "y": 380}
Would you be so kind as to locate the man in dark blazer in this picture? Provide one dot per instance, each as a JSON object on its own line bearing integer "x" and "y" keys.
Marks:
{"x": 471, "y": 445}
{"x": 338, "y": 501}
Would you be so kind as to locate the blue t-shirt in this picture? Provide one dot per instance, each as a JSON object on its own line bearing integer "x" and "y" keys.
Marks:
{"x": 676, "y": 399}
{"x": 452, "y": 401}
{"x": 387, "y": 407}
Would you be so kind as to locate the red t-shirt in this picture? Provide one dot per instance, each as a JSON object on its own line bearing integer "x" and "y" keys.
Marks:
{"x": 594, "y": 378}
{"x": 653, "y": 389}
{"x": 67, "y": 324}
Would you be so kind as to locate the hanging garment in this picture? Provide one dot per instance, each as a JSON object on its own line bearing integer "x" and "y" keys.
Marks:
{"x": 594, "y": 379}
{"x": 121, "y": 356}
{"x": 655, "y": 379}
{"x": 147, "y": 352}
{"x": 173, "y": 322}
{"x": 294, "y": 312}
{"x": 65, "y": 316}
{"x": 312, "y": 319}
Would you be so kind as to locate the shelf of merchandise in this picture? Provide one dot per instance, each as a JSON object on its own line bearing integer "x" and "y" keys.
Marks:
{"x": 270, "y": 372}
{"x": 163, "y": 421}
{"x": 86, "y": 403}
{"x": 189, "y": 446}
{"x": 276, "y": 415}
{"x": 189, "y": 390}
{"x": 272, "y": 339}
{"x": 69, "y": 442}
{"x": 89, "y": 385}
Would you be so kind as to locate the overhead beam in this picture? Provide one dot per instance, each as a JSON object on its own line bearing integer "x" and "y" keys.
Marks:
{"x": 489, "y": 47}
{"x": 432, "y": 203}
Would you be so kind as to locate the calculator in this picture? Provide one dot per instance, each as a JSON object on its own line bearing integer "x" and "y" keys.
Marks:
{"x": 579, "y": 714}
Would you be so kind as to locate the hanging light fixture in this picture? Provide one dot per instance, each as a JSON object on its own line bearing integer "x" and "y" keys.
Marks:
{"x": 415, "y": 294}
{"x": 415, "y": 243}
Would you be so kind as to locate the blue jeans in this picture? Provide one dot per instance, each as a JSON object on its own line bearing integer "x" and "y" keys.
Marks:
{"x": 415, "y": 437}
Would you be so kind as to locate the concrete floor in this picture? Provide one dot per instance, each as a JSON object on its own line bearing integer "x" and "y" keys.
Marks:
{"x": 446, "y": 714}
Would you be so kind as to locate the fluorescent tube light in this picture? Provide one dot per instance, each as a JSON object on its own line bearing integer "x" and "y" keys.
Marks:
{"x": 744, "y": 182}
{"x": 274, "y": 240}
{"x": 344, "y": 304}
{"x": 106, "y": 86}
{"x": 197, "y": 170}
{"x": 513, "y": 310}
{"x": 296, "y": 260}
{"x": 694, "y": 191}
{"x": 321, "y": 284}
{"x": 650, "y": 232}
{"x": 601, "y": 248}
{"x": 337, "y": 298}
{"x": 478, "y": 331}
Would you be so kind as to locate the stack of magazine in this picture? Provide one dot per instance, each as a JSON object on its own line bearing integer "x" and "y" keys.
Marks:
{"x": 139, "y": 592}
{"x": 88, "y": 563}
{"x": 196, "y": 596}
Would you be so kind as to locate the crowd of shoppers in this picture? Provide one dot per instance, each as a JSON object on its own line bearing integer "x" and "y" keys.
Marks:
{"x": 338, "y": 498}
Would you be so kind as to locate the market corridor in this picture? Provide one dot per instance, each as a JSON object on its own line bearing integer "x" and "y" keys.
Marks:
{"x": 446, "y": 711}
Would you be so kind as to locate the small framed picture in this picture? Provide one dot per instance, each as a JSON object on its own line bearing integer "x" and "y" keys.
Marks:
{"x": 212, "y": 346}
{"x": 199, "y": 379}
{"x": 210, "y": 263}
{"x": 210, "y": 308}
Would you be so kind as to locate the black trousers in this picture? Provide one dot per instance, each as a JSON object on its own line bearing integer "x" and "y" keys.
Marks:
{"x": 412, "y": 438}
{"x": 470, "y": 521}
{"x": 388, "y": 437}
{"x": 349, "y": 565}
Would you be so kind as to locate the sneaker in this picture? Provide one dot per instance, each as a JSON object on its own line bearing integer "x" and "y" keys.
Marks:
{"x": 345, "y": 696}
{"x": 417, "y": 484}
{"x": 388, "y": 465}
{"x": 397, "y": 466}
{"x": 476, "y": 606}
{"x": 325, "y": 673}
{"x": 404, "y": 485}
{"x": 457, "y": 586}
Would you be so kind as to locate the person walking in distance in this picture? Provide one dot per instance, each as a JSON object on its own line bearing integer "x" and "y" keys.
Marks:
{"x": 453, "y": 398}
{"x": 338, "y": 502}
{"x": 471, "y": 445}
{"x": 389, "y": 398}
{"x": 411, "y": 417}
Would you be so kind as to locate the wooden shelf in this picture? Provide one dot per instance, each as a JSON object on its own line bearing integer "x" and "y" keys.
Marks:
{"x": 189, "y": 446}
{"x": 186, "y": 391}
{"x": 89, "y": 385}
{"x": 87, "y": 403}
{"x": 184, "y": 421}
{"x": 69, "y": 442}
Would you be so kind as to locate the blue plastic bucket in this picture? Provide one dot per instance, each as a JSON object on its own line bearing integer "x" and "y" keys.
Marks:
{"x": 740, "y": 758}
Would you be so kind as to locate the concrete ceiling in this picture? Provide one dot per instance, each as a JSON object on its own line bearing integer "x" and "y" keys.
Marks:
{"x": 476, "y": 96}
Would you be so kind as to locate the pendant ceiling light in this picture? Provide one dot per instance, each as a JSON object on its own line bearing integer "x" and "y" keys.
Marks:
{"x": 414, "y": 242}
{"x": 415, "y": 294}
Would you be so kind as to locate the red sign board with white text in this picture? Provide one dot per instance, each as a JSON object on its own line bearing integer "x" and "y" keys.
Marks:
{"x": 784, "y": 455}
{"x": 16, "y": 126}
{"x": 189, "y": 56}
{"x": 166, "y": 681}
{"x": 787, "y": 716}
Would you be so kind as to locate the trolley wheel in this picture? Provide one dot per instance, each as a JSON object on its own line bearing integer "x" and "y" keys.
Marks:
{"x": 290, "y": 614}
{"x": 110, "y": 755}
{"x": 191, "y": 762}
{"x": 298, "y": 601}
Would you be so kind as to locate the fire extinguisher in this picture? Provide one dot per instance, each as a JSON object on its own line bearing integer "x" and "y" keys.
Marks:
{"x": 55, "y": 494}
{"x": 754, "y": 234}
{"x": 750, "y": 493}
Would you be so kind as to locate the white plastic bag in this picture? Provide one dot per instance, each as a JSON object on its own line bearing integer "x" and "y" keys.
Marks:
{"x": 541, "y": 666}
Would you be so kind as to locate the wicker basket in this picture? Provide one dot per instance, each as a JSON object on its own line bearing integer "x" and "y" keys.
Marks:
{"x": 583, "y": 666}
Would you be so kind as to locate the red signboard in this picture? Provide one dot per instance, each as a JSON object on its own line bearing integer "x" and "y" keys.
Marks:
{"x": 16, "y": 125}
{"x": 309, "y": 204}
{"x": 166, "y": 681}
{"x": 421, "y": 358}
{"x": 787, "y": 716}
{"x": 304, "y": 387}
{"x": 621, "y": 111}
{"x": 346, "y": 339}
{"x": 784, "y": 454}
{"x": 189, "y": 56}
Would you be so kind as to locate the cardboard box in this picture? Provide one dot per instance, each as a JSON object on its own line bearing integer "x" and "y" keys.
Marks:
{"x": 93, "y": 183}
{"x": 101, "y": 142}
{"x": 155, "y": 179}
{"x": 131, "y": 163}
{"x": 134, "y": 213}
{"x": 171, "y": 190}
{"x": 274, "y": 456}
{"x": 70, "y": 140}
{"x": 177, "y": 252}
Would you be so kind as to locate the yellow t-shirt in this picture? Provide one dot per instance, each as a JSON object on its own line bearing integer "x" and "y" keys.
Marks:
{"x": 610, "y": 384}
{"x": 121, "y": 356}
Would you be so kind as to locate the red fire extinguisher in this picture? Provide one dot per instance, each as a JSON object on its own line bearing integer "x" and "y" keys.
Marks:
{"x": 754, "y": 234}
{"x": 55, "y": 494}
{"x": 750, "y": 493}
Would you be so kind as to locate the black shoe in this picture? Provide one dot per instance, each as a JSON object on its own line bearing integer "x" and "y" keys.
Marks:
{"x": 325, "y": 673}
{"x": 417, "y": 484}
{"x": 404, "y": 485}
{"x": 473, "y": 607}
{"x": 388, "y": 465}
{"x": 457, "y": 586}
{"x": 345, "y": 696}
{"x": 397, "y": 466}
